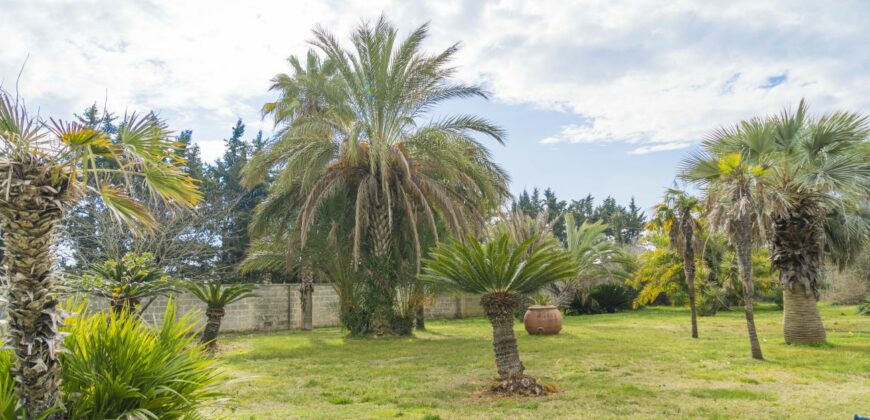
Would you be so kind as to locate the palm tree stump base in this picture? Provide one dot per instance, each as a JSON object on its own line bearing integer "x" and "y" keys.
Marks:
{"x": 519, "y": 385}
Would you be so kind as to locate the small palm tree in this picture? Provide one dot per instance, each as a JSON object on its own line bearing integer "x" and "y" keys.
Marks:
{"x": 597, "y": 256}
{"x": 501, "y": 271}
{"x": 217, "y": 296}
{"x": 679, "y": 216}
{"x": 45, "y": 168}
{"x": 735, "y": 202}
{"x": 126, "y": 283}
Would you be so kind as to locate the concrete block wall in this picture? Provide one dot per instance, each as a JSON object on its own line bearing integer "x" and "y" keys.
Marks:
{"x": 278, "y": 307}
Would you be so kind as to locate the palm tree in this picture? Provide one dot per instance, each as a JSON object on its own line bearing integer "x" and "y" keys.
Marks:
{"x": 46, "y": 167}
{"x": 501, "y": 271}
{"x": 597, "y": 257}
{"x": 127, "y": 282}
{"x": 217, "y": 296}
{"x": 820, "y": 180}
{"x": 735, "y": 201}
{"x": 679, "y": 215}
{"x": 366, "y": 138}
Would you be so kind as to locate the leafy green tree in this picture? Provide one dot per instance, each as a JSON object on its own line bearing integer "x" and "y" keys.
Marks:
{"x": 367, "y": 140}
{"x": 217, "y": 296}
{"x": 224, "y": 190}
{"x": 46, "y": 167}
{"x": 501, "y": 271}
{"x": 679, "y": 216}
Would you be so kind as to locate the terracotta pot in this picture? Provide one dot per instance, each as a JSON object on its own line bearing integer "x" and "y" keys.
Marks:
{"x": 543, "y": 320}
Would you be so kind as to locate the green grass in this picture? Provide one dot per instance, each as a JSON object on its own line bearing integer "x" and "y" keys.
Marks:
{"x": 634, "y": 364}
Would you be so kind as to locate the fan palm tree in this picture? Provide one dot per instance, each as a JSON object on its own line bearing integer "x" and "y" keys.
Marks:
{"x": 127, "y": 282}
{"x": 46, "y": 167}
{"x": 820, "y": 180}
{"x": 217, "y": 296}
{"x": 679, "y": 216}
{"x": 367, "y": 138}
{"x": 501, "y": 271}
{"x": 816, "y": 174}
{"x": 735, "y": 201}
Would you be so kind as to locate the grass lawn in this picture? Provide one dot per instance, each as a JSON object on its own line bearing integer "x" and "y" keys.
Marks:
{"x": 636, "y": 364}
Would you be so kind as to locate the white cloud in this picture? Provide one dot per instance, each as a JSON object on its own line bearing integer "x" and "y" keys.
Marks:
{"x": 659, "y": 148}
{"x": 656, "y": 74}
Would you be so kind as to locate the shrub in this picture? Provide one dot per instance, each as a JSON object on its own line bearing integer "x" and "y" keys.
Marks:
{"x": 604, "y": 298}
{"x": 8, "y": 401}
{"x": 847, "y": 288}
{"x": 864, "y": 309}
{"x": 119, "y": 367}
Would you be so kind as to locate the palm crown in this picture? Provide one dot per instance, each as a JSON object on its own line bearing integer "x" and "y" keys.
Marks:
{"x": 363, "y": 134}
{"x": 498, "y": 266}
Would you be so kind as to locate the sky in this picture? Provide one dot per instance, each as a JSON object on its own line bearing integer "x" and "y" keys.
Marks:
{"x": 602, "y": 97}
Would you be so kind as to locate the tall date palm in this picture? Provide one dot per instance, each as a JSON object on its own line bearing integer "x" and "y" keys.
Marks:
{"x": 369, "y": 136}
{"x": 46, "y": 167}
{"x": 501, "y": 271}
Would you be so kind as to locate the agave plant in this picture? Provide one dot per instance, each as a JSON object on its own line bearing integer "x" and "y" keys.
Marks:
{"x": 501, "y": 271}
{"x": 45, "y": 168}
{"x": 217, "y": 296}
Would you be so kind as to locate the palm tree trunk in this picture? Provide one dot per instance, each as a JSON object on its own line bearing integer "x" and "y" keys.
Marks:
{"x": 34, "y": 316}
{"x": 798, "y": 258}
{"x": 500, "y": 308}
{"x": 421, "y": 319}
{"x": 306, "y": 292}
{"x": 212, "y": 327}
{"x": 801, "y": 320}
{"x": 689, "y": 266}
{"x": 743, "y": 245}
{"x": 383, "y": 317}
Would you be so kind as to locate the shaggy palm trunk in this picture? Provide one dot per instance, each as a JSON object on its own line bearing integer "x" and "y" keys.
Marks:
{"x": 689, "y": 265}
{"x": 215, "y": 315}
{"x": 306, "y": 292}
{"x": 383, "y": 320}
{"x": 29, "y": 211}
{"x": 500, "y": 308}
{"x": 742, "y": 236}
{"x": 797, "y": 256}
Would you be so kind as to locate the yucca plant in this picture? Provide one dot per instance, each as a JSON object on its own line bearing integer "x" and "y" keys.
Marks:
{"x": 45, "y": 168}
{"x": 217, "y": 296}
{"x": 117, "y": 367}
{"x": 126, "y": 283}
{"x": 501, "y": 271}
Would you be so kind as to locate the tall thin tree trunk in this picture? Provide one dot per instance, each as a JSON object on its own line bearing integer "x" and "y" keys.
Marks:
{"x": 421, "y": 318}
{"x": 34, "y": 316}
{"x": 800, "y": 315}
{"x": 212, "y": 327}
{"x": 689, "y": 265}
{"x": 743, "y": 245}
{"x": 306, "y": 292}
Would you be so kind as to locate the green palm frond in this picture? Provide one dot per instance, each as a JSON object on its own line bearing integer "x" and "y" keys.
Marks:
{"x": 497, "y": 266}
{"x": 219, "y": 295}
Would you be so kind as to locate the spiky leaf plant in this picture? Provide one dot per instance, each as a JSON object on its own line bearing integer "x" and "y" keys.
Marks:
{"x": 46, "y": 166}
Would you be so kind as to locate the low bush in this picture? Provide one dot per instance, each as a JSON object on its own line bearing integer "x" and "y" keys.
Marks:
{"x": 116, "y": 366}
